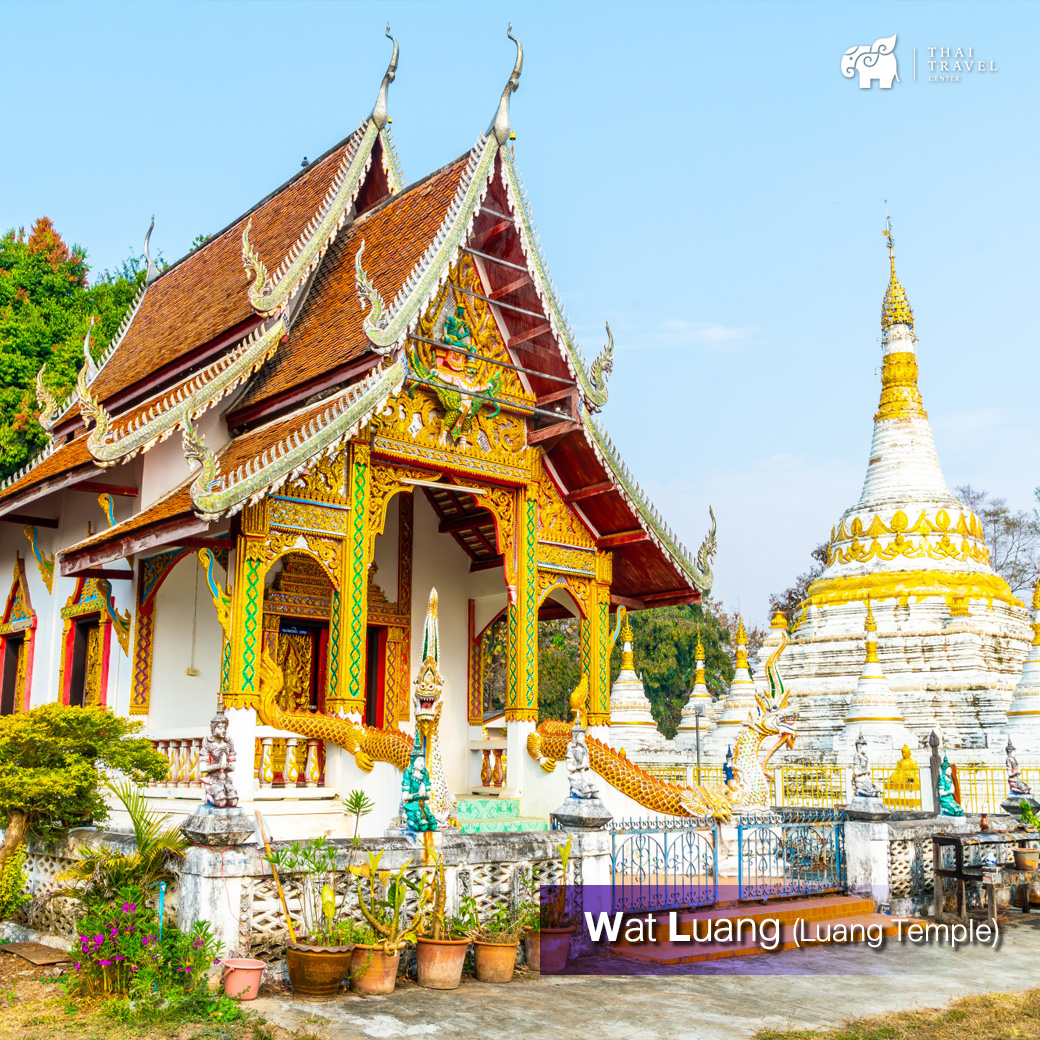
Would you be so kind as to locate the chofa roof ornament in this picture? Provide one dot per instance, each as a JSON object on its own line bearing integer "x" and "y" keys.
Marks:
{"x": 152, "y": 271}
{"x": 500, "y": 124}
{"x": 379, "y": 115}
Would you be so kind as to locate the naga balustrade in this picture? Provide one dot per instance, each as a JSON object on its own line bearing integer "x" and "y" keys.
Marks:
{"x": 787, "y": 852}
{"x": 667, "y": 862}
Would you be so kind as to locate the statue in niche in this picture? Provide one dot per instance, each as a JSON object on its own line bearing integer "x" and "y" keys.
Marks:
{"x": 216, "y": 762}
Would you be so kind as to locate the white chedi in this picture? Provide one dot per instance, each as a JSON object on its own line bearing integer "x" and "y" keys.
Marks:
{"x": 955, "y": 635}
{"x": 873, "y": 715}
{"x": 632, "y": 724}
{"x": 698, "y": 706}
{"x": 1023, "y": 714}
{"x": 739, "y": 702}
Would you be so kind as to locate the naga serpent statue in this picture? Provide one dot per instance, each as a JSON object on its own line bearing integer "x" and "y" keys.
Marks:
{"x": 367, "y": 743}
{"x": 751, "y": 786}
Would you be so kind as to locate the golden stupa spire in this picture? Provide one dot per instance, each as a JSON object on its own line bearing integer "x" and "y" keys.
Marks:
{"x": 741, "y": 646}
{"x": 698, "y": 652}
{"x": 895, "y": 309}
{"x": 870, "y": 627}
{"x": 628, "y": 661}
{"x": 698, "y": 679}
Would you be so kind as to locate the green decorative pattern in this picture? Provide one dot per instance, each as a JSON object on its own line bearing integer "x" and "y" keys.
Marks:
{"x": 699, "y": 573}
{"x": 360, "y": 471}
{"x": 601, "y": 696}
{"x": 254, "y": 587}
{"x": 495, "y": 816}
{"x": 512, "y": 655}
{"x": 333, "y": 659}
{"x": 225, "y": 666}
{"x": 530, "y": 593}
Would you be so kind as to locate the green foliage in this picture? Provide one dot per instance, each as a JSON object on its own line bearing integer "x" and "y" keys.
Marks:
{"x": 13, "y": 879}
{"x": 45, "y": 310}
{"x": 559, "y": 667}
{"x": 54, "y": 761}
{"x": 502, "y": 925}
{"x": 383, "y": 907}
{"x": 1029, "y": 816}
{"x": 101, "y": 872}
{"x": 122, "y": 954}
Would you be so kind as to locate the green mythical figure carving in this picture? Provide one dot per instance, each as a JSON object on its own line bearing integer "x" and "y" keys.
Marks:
{"x": 948, "y": 804}
{"x": 415, "y": 790}
{"x": 456, "y": 330}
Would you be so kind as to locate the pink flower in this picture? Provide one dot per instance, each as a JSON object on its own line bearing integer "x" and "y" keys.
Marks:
{"x": 129, "y": 908}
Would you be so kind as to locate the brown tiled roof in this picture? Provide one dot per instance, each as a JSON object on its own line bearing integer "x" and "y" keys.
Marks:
{"x": 206, "y": 293}
{"x": 177, "y": 504}
{"x": 65, "y": 457}
{"x": 329, "y": 332}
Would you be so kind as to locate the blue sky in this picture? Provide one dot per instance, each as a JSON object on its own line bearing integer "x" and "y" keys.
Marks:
{"x": 703, "y": 177}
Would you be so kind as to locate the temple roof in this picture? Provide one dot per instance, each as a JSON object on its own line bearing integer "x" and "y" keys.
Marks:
{"x": 306, "y": 367}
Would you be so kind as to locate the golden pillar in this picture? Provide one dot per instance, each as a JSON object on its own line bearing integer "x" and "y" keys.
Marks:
{"x": 247, "y": 610}
{"x": 522, "y": 613}
{"x": 348, "y": 633}
{"x": 595, "y": 642}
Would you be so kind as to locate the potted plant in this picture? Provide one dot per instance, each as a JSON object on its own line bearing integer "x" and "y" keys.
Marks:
{"x": 377, "y": 945}
{"x": 495, "y": 939}
{"x": 319, "y": 958}
{"x": 441, "y": 944}
{"x": 548, "y": 941}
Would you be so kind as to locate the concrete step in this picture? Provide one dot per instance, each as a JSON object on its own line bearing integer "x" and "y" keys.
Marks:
{"x": 852, "y": 928}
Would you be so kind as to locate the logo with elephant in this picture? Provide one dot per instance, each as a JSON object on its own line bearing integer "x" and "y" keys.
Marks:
{"x": 876, "y": 62}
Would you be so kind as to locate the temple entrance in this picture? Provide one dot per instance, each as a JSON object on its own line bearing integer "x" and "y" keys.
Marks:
{"x": 13, "y": 690}
{"x": 375, "y": 676}
{"x": 302, "y": 653}
{"x": 559, "y": 654}
{"x": 85, "y": 677}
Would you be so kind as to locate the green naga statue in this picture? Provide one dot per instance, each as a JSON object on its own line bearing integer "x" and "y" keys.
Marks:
{"x": 948, "y": 804}
{"x": 415, "y": 791}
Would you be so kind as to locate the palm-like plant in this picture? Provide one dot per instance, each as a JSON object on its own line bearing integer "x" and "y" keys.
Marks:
{"x": 101, "y": 872}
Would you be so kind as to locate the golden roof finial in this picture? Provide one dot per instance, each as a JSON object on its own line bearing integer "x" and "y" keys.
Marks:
{"x": 628, "y": 660}
{"x": 699, "y": 651}
{"x": 779, "y": 619}
{"x": 1036, "y": 595}
{"x": 870, "y": 625}
{"x": 742, "y": 662}
{"x": 895, "y": 309}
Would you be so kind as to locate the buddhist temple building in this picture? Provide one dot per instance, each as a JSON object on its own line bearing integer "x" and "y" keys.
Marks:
{"x": 360, "y": 390}
{"x": 950, "y": 634}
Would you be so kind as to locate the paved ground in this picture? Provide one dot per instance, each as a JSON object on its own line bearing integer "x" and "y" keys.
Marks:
{"x": 804, "y": 989}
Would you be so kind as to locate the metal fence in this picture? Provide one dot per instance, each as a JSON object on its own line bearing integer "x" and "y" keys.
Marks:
{"x": 664, "y": 863}
{"x": 812, "y": 786}
{"x": 789, "y": 852}
{"x": 899, "y": 783}
{"x": 683, "y": 774}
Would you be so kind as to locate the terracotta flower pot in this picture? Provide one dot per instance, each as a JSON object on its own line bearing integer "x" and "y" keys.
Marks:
{"x": 1027, "y": 859}
{"x": 317, "y": 972}
{"x": 548, "y": 949}
{"x": 439, "y": 962}
{"x": 494, "y": 962}
{"x": 373, "y": 971}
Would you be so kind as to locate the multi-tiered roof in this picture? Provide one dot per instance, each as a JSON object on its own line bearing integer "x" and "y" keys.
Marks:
{"x": 255, "y": 350}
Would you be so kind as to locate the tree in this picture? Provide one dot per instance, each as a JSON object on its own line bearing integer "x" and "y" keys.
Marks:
{"x": 45, "y": 311}
{"x": 54, "y": 761}
{"x": 788, "y": 601}
{"x": 559, "y": 667}
{"x": 1012, "y": 537}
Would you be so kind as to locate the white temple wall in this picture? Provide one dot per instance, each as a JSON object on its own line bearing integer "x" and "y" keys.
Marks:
{"x": 438, "y": 561}
{"x": 165, "y": 467}
{"x": 184, "y": 611}
{"x": 386, "y": 550}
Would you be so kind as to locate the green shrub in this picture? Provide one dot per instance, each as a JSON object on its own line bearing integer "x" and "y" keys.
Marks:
{"x": 12, "y": 884}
